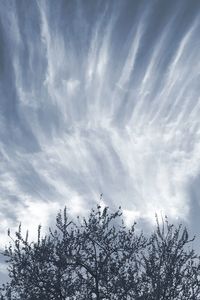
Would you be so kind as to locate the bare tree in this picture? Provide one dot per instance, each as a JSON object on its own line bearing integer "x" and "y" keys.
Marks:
{"x": 94, "y": 258}
{"x": 170, "y": 268}
{"x": 98, "y": 257}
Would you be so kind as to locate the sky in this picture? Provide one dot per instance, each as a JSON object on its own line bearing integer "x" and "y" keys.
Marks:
{"x": 99, "y": 97}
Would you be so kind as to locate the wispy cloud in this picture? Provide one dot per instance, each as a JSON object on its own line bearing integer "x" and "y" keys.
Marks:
{"x": 104, "y": 108}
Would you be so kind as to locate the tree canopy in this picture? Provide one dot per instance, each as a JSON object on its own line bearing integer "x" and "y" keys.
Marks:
{"x": 98, "y": 257}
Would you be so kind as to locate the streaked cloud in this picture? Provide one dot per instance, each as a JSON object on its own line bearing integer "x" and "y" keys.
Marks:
{"x": 98, "y": 98}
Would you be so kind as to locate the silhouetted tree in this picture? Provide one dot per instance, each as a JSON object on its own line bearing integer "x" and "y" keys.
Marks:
{"x": 170, "y": 268}
{"x": 98, "y": 257}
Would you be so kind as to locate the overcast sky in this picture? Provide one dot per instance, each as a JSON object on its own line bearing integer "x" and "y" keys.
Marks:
{"x": 99, "y": 97}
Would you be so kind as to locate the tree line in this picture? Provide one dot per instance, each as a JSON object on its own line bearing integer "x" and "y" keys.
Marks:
{"x": 99, "y": 257}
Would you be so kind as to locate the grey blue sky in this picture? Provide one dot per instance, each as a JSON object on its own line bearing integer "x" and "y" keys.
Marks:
{"x": 99, "y": 97}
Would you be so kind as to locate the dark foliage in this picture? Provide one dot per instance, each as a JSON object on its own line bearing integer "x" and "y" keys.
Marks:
{"x": 98, "y": 257}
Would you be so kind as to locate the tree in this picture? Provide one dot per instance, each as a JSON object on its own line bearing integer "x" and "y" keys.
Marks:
{"x": 170, "y": 268}
{"x": 94, "y": 258}
{"x": 98, "y": 257}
